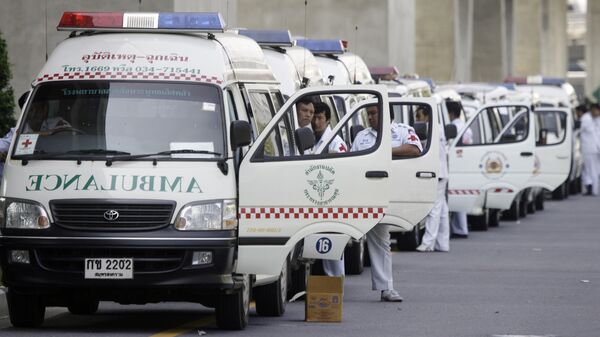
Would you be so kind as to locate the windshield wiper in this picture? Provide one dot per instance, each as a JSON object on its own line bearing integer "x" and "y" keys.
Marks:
{"x": 41, "y": 154}
{"x": 221, "y": 163}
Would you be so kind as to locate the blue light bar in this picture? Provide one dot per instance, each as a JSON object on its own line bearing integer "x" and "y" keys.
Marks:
{"x": 269, "y": 37}
{"x": 322, "y": 46}
{"x": 192, "y": 21}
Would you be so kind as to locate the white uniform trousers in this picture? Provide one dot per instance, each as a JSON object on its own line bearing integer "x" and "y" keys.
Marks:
{"x": 589, "y": 174}
{"x": 334, "y": 267}
{"x": 458, "y": 223}
{"x": 380, "y": 254}
{"x": 437, "y": 226}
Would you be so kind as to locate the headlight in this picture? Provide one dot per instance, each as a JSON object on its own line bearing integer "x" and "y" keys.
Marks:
{"x": 24, "y": 215}
{"x": 208, "y": 216}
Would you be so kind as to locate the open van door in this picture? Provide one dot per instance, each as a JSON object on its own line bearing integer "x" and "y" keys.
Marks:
{"x": 553, "y": 152}
{"x": 285, "y": 196}
{"x": 494, "y": 164}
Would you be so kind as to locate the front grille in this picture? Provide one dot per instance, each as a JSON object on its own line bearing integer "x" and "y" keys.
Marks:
{"x": 132, "y": 215}
{"x": 145, "y": 261}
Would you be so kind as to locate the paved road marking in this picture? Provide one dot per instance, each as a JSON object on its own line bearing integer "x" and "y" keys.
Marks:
{"x": 189, "y": 326}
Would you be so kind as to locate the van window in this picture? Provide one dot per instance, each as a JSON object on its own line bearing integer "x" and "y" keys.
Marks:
{"x": 551, "y": 127}
{"x": 126, "y": 116}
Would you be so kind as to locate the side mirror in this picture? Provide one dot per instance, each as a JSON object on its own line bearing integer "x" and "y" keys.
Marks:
{"x": 305, "y": 139}
{"x": 508, "y": 138}
{"x": 354, "y": 130}
{"x": 450, "y": 131}
{"x": 240, "y": 134}
{"x": 421, "y": 129}
{"x": 23, "y": 99}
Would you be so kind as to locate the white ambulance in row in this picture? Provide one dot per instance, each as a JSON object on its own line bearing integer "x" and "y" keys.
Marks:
{"x": 130, "y": 178}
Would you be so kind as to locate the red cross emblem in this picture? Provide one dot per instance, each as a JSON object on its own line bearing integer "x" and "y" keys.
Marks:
{"x": 412, "y": 138}
{"x": 26, "y": 143}
{"x": 342, "y": 148}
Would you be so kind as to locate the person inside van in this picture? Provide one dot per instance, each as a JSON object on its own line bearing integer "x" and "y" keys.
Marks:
{"x": 39, "y": 122}
{"x": 305, "y": 111}
{"x": 404, "y": 143}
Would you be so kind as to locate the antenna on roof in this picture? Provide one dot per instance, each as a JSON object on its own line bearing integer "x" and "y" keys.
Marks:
{"x": 305, "y": 36}
{"x": 139, "y": 5}
{"x": 46, "y": 27}
{"x": 355, "y": 53}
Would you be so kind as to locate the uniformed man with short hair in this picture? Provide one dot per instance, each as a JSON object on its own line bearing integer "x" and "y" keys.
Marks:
{"x": 404, "y": 143}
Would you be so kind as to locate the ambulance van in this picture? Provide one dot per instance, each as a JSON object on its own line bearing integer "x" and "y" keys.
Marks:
{"x": 151, "y": 164}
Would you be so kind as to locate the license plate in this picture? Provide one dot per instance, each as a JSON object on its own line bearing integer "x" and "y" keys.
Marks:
{"x": 112, "y": 268}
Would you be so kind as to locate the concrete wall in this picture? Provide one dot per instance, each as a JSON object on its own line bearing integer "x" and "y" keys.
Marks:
{"x": 592, "y": 54}
{"x": 402, "y": 35}
{"x": 527, "y": 16}
{"x": 489, "y": 41}
{"x": 435, "y": 44}
{"x": 463, "y": 37}
{"x": 554, "y": 52}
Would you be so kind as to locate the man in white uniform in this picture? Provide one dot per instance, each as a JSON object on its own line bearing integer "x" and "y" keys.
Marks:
{"x": 38, "y": 121}
{"x": 590, "y": 150}
{"x": 4, "y": 146}
{"x": 437, "y": 227}
{"x": 323, "y": 133}
{"x": 458, "y": 221}
{"x": 404, "y": 143}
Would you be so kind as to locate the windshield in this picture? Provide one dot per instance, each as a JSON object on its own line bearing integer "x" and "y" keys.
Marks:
{"x": 101, "y": 118}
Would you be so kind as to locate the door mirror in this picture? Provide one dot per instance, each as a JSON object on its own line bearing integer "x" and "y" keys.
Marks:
{"x": 23, "y": 99}
{"x": 508, "y": 138}
{"x": 421, "y": 130}
{"x": 240, "y": 134}
{"x": 450, "y": 131}
{"x": 305, "y": 139}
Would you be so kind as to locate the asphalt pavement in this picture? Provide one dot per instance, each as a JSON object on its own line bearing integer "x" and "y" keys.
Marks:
{"x": 539, "y": 276}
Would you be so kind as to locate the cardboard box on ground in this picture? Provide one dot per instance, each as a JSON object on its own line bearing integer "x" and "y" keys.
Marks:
{"x": 324, "y": 296}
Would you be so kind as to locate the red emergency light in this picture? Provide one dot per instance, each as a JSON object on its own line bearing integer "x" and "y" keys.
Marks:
{"x": 91, "y": 20}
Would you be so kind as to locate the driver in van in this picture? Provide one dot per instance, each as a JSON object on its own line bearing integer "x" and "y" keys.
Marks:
{"x": 404, "y": 143}
{"x": 38, "y": 121}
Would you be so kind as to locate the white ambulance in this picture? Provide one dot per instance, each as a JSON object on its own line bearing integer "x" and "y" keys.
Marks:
{"x": 129, "y": 179}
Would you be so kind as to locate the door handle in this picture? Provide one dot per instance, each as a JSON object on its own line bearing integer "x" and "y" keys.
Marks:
{"x": 376, "y": 174}
{"x": 425, "y": 175}
{"x": 562, "y": 157}
{"x": 526, "y": 154}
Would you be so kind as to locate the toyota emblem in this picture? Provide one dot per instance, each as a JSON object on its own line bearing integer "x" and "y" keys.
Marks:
{"x": 111, "y": 215}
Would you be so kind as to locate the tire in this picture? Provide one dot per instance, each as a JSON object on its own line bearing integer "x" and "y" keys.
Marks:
{"x": 512, "y": 214}
{"x": 271, "y": 298}
{"x": 232, "y": 310}
{"x": 409, "y": 241}
{"x": 494, "y": 217}
{"x": 523, "y": 208}
{"x": 478, "y": 222}
{"x": 558, "y": 193}
{"x": 354, "y": 257}
{"x": 367, "y": 257}
{"x": 84, "y": 307}
{"x": 566, "y": 193}
{"x": 531, "y": 206}
{"x": 25, "y": 310}
{"x": 539, "y": 201}
{"x": 297, "y": 280}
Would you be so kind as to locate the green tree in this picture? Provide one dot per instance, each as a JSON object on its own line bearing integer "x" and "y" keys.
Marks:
{"x": 7, "y": 100}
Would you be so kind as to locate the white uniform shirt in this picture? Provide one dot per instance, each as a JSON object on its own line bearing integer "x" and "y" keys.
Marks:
{"x": 401, "y": 134}
{"x": 443, "y": 173}
{"x": 467, "y": 137}
{"x": 49, "y": 124}
{"x": 336, "y": 146}
{"x": 588, "y": 136}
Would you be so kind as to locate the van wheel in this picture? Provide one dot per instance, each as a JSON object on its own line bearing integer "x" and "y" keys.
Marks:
{"x": 494, "y": 217}
{"x": 539, "y": 201}
{"x": 271, "y": 298}
{"x": 531, "y": 206}
{"x": 479, "y": 222}
{"x": 297, "y": 280}
{"x": 559, "y": 192}
{"x": 232, "y": 310}
{"x": 354, "y": 257}
{"x": 84, "y": 306}
{"x": 367, "y": 257}
{"x": 25, "y": 310}
{"x": 512, "y": 214}
{"x": 409, "y": 241}
{"x": 523, "y": 208}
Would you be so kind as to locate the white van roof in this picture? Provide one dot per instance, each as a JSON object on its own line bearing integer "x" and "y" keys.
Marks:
{"x": 357, "y": 68}
{"x": 157, "y": 56}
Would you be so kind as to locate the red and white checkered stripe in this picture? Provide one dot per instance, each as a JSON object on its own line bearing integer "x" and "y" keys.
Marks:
{"x": 464, "y": 192}
{"x": 311, "y": 213}
{"x": 125, "y": 75}
{"x": 502, "y": 190}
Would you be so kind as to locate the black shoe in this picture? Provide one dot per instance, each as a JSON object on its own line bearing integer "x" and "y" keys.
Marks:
{"x": 459, "y": 236}
{"x": 588, "y": 189}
